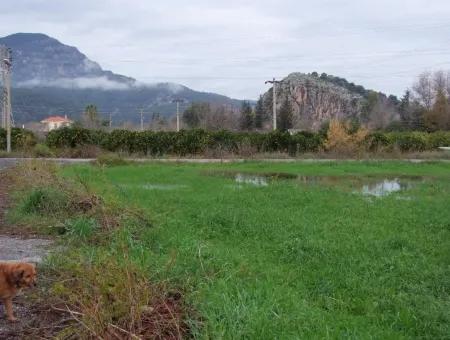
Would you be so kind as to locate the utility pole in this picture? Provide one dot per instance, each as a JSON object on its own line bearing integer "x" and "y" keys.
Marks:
{"x": 142, "y": 120}
{"x": 178, "y": 101}
{"x": 6, "y": 63}
{"x": 274, "y": 82}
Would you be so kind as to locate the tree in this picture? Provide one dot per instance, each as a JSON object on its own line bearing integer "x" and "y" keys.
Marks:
{"x": 247, "y": 119}
{"x": 368, "y": 106}
{"x": 194, "y": 116}
{"x": 90, "y": 116}
{"x": 423, "y": 90}
{"x": 285, "y": 116}
{"x": 260, "y": 114}
{"x": 222, "y": 117}
{"x": 404, "y": 110}
{"x": 158, "y": 122}
{"x": 438, "y": 118}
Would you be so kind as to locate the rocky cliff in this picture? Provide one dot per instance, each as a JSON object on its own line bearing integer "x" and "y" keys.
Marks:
{"x": 317, "y": 99}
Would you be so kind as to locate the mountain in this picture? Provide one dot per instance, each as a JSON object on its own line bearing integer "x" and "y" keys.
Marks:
{"x": 40, "y": 60}
{"x": 316, "y": 100}
{"x": 52, "y": 78}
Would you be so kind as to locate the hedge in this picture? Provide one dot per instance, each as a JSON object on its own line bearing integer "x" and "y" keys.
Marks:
{"x": 20, "y": 139}
{"x": 197, "y": 142}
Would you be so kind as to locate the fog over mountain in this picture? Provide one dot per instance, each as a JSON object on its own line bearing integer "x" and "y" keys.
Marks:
{"x": 50, "y": 77}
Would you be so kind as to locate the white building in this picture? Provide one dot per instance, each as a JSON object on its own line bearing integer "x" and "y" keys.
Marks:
{"x": 56, "y": 122}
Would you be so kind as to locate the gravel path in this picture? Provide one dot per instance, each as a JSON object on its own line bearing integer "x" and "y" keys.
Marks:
{"x": 26, "y": 250}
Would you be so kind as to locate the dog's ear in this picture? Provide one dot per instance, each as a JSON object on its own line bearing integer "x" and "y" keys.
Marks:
{"x": 18, "y": 275}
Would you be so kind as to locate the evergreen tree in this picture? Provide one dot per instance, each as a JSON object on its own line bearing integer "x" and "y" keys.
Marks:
{"x": 247, "y": 119}
{"x": 194, "y": 116}
{"x": 90, "y": 116}
{"x": 285, "y": 116}
{"x": 260, "y": 114}
{"x": 404, "y": 109}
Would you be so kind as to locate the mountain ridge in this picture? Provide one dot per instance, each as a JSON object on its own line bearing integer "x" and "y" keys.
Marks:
{"x": 50, "y": 78}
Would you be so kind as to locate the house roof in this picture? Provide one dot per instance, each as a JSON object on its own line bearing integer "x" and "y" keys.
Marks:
{"x": 56, "y": 119}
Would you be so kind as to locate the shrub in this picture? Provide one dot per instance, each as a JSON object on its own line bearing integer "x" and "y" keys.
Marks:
{"x": 20, "y": 139}
{"x": 119, "y": 140}
{"x": 410, "y": 141}
{"x": 341, "y": 139}
{"x": 376, "y": 140}
{"x": 437, "y": 139}
{"x": 276, "y": 141}
{"x": 44, "y": 201}
{"x": 71, "y": 137}
{"x": 42, "y": 150}
{"x": 305, "y": 142}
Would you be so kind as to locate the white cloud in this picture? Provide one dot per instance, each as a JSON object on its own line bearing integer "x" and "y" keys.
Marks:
{"x": 78, "y": 83}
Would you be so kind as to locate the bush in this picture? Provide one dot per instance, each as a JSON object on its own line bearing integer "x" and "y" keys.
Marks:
{"x": 42, "y": 150}
{"x": 376, "y": 141}
{"x": 44, "y": 201}
{"x": 410, "y": 141}
{"x": 340, "y": 138}
{"x": 20, "y": 139}
{"x": 343, "y": 138}
{"x": 73, "y": 136}
{"x": 437, "y": 139}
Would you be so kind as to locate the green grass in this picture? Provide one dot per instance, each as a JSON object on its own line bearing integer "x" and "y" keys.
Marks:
{"x": 294, "y": 261}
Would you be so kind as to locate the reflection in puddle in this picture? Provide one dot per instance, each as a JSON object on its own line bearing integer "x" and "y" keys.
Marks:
{"x": 384, "y": 187}
{"x": 368, "y": 186}
{"x": 259, "y": 181}
{"x": 154, "y": 186}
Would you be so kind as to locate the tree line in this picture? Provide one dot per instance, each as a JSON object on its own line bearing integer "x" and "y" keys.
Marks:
{"x": 423, "y": 107}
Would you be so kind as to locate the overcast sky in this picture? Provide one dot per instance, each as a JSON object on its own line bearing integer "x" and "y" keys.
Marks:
{"x": 231, "y": 47}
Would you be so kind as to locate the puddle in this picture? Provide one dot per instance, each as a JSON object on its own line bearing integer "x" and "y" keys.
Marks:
{"x": 385, "y": 187}
{"x": 259, "y": 181}
{"x": 163, "y": 186}
{"x": 366, "y": 185}
{"x": 155, "y": 186}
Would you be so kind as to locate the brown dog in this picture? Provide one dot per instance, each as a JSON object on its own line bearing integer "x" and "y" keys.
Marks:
{"x": 13, "y": 277}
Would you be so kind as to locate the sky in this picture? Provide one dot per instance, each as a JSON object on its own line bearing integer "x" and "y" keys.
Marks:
{"x": 232, "y": 47}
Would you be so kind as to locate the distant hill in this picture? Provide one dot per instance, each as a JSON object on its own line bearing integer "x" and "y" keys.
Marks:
{"x": 52, "y": 78}
{"x": 316, "y": 99}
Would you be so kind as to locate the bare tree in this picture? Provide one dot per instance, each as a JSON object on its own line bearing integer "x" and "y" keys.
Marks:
{"x": 423, "y": 90}
{"x": 382, "y": 114}
{"x": 440, "y": 82}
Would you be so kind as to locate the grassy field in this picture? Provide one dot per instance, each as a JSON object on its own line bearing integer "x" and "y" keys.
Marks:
{"x": 258, "y": 250}
{"x": 286, "y": 259}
